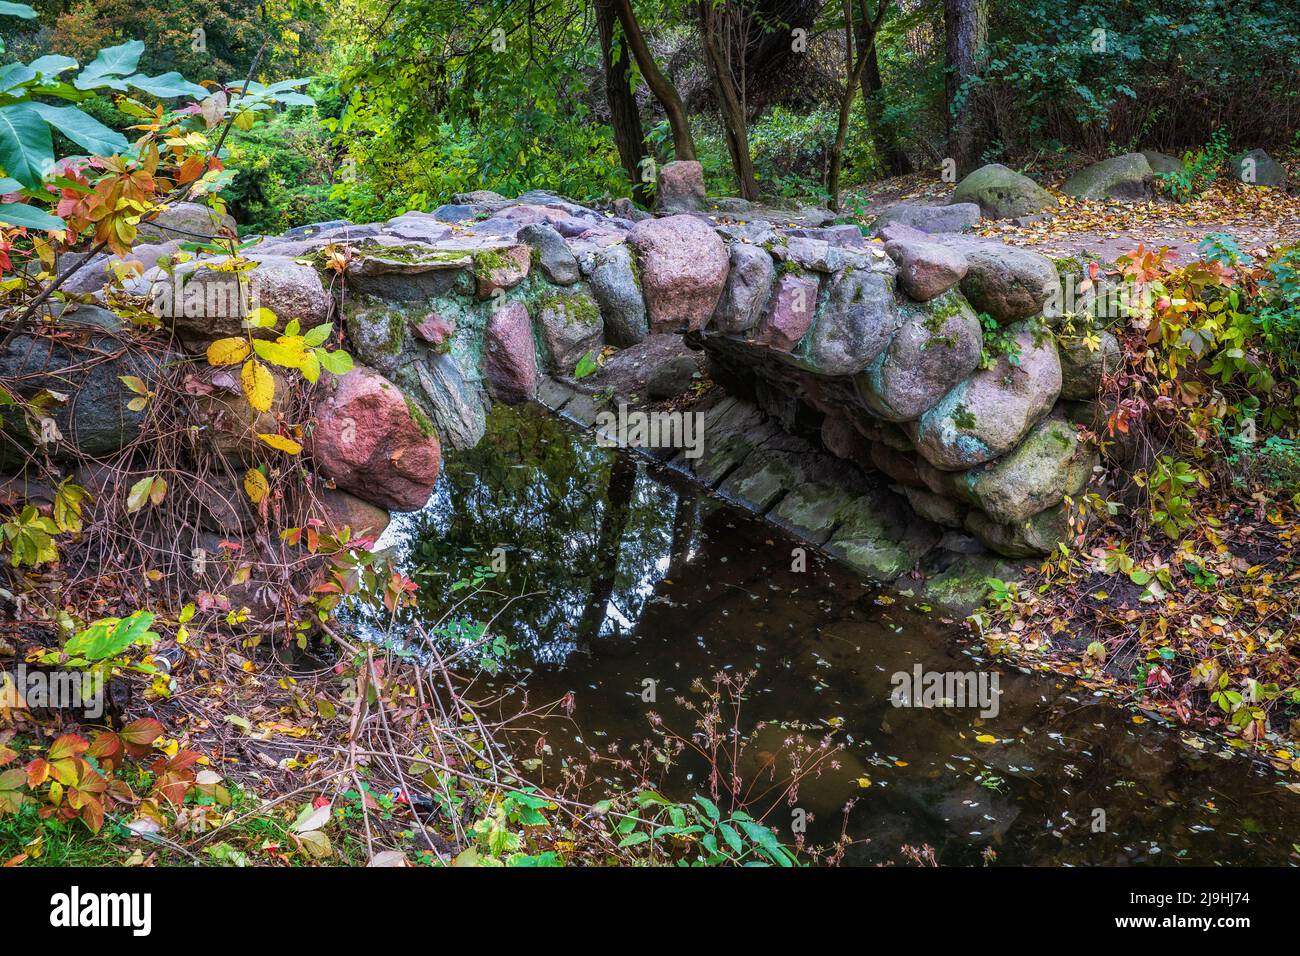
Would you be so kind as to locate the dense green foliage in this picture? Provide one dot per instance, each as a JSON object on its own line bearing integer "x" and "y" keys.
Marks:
{"x": 1110, "y": 73}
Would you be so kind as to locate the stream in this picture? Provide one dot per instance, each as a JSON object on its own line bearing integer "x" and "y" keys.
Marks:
{"x": 637, "y": 584}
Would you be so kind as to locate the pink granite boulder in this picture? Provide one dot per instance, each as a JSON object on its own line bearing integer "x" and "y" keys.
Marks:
{"x": 683, "y": 266}
{"x": 368, "y": 442}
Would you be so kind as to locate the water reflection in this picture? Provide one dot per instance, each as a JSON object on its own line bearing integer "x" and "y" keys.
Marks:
{"x": 635, "y": 578}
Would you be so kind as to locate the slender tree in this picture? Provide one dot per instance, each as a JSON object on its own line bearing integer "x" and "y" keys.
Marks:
{"x": 660, "y": 85}
{"x": 964, "y": 23}
{"x": 624, "y": 118}
{"x": 724, "y": 32}
{"x": 854, "y": 66}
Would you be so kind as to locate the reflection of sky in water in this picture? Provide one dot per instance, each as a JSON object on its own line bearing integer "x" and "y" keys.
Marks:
{"x": 637, "y": 578}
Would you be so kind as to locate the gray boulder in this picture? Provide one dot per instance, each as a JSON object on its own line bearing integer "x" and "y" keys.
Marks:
{"x": 855, "y": 324}
{"x": 614, "y": 283}
{"x": 1082, "y": 368}
{"x": 88, "y": 401}
{"x": 551, "y": 252}
{"x": 204, "y": 302}
{"x": 570, "y": 324}
{"x": 937, "y": 347}
{"x": 1049, "y": 464}
{"x": 1002, "y": 193}
{"x": 955, "y": 217}
{"x": 749, "y": 283}
{"x": 456, "y": 407}
{"x": 1258, "y": 168}
{"x": 1163, "y": 162}
{"x": 1025, "y": 539}
{"x": 989, "y": 413}
{"x": 671, "y": 378}
{"x": 1008, "y": 283}
{"x": 188, "y": 222}
{"x": 1119, "y": 177}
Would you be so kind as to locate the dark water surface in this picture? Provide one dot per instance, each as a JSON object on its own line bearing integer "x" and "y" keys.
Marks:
{"x": 640, "y": 578}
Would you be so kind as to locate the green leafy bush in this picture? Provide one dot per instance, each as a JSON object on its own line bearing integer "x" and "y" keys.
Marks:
{"x": 287, "y": 170}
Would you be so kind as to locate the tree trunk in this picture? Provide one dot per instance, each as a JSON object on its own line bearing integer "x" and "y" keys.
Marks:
{"x": 623, "y": 116}
{"x": 892, "y": 154}
{"x": 660, "y": 85}
{"x": 964, "y": 33}
{"x": 853, "y": 71}
{"x": 729, "y": 93}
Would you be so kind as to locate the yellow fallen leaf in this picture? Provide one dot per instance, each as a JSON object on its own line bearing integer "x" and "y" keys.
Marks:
{"x": 258, "y": 384}
{"x": 255, "y": 485}
{"x": 228, "y": 351}
{"x": 281, "y": 443}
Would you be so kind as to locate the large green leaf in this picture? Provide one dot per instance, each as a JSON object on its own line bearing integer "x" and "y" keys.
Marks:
{"x": 14, "y": 75}
{"x": 112, "y": 63}
{"x": 9, "y": 185}
{"x": 26, "y": 147}
{"x": 32, "y": 217}
{"x": 110, "y": 636}
{"x": 84, "y": 130}
{"x": 52, "y": 64}
{"x": 8, "y": 9}
{"x": 167, "y": 85}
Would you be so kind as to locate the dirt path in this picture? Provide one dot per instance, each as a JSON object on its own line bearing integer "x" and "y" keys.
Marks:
{"x": 1255, "y": 218}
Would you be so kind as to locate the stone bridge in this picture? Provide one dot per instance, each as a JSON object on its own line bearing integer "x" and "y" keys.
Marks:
{"x": 920, "y": 352}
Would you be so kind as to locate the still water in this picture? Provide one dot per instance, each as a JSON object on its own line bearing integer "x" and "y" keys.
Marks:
{"x": 634, "y": 585}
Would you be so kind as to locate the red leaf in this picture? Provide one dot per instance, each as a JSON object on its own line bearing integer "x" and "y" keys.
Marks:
{"x": 38, "y": 771}
{"x": 142, "y": 732}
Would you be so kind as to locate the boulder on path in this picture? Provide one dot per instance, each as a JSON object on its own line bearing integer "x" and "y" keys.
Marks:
{"x": 1119, "y": 177}
{"x": 1002, "y": 193}
{"x": 681, "y": 187}
{"x": 1258, "y": 168}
